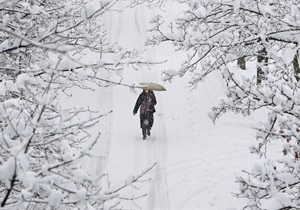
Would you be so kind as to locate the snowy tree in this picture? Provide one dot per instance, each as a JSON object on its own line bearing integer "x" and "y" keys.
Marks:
{"x": 42, "y": 48}
{"x": 215, "y": 35}
{"x": 149, "y": 3}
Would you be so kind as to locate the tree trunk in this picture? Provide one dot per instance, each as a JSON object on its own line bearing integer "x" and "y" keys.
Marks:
{"x": 263, "y": 61}
{"x": 242, "y": 63}
{"x": 296, "y": 67}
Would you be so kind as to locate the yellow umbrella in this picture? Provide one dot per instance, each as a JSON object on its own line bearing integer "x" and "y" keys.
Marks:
{"x": 152, "y": 86}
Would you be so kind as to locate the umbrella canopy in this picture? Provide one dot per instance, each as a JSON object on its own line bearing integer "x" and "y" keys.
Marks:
{"x": 152, "y": 86}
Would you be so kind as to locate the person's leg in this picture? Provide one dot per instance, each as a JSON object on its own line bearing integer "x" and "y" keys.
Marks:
{"x": 151, "y": 121}
{"x": 144, "y": 132}
{"x": 144, "y": 124}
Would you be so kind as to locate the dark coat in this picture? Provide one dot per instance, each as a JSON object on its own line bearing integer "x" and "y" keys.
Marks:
{"x": 146, "y": 103}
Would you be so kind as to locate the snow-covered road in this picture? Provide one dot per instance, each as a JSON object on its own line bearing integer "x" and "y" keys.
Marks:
{"x": 124, "y": 153}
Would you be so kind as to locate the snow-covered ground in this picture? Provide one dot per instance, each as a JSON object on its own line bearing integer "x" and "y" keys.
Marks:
{"x": 196, "y": 160}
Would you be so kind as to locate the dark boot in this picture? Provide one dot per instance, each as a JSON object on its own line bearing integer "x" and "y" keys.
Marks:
{"x": 148, "y": 131}
{"x": 144, "y": 133}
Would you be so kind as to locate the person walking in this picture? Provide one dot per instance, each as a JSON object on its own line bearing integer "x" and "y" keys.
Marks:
{"x": 146, "y": 102}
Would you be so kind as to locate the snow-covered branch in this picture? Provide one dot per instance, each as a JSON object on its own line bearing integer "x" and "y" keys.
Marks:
{"x": 42, "y": 142}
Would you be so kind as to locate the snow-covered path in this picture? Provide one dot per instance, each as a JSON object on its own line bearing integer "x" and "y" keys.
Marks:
{"x": 123, "y": 150}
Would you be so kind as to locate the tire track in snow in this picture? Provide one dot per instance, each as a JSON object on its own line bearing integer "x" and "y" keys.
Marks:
{"x": 158, "y": 195}
{"x": 156, "y": 148}
{"x": 142, "y": 148}
{"x": 105, "y": 101}
{"x": 97, "y": 162}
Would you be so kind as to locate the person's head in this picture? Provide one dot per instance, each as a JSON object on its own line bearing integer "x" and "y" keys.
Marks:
{"x": 145, "y": 90}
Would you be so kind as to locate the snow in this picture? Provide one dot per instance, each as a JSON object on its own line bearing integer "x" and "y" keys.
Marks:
{"x": 7, "y": 169}
{"x": 265, "y": 9}
{"x": 55, "y": 198}
{"x": 196, "y": 161}
{"x": 288, "y": 55}
{"x": 201, "y": 12}
{"x": 279, "y": 199}
{"x": 90, "y": 8}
